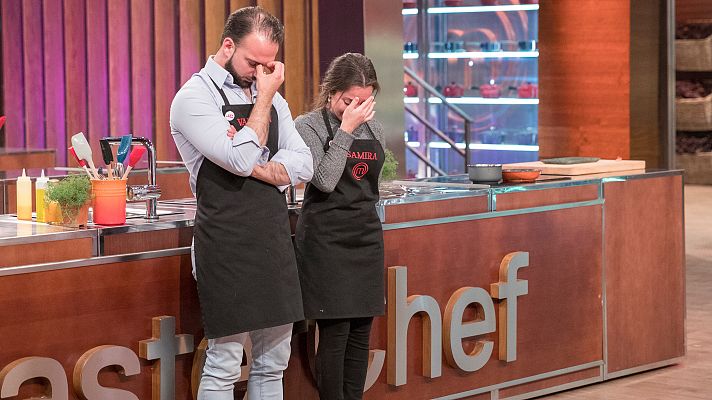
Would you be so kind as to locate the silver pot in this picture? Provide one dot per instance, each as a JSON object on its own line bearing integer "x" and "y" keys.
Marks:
{"x": 485, "y": 173}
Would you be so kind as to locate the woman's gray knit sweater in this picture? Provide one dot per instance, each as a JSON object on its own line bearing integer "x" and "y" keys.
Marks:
{"x": 329, "y": 166}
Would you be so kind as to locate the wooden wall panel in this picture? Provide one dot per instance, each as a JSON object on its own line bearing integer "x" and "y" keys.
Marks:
{"x": 21, "y": 159}
{"x": 13, "y": 79}
{"x": 236, "y": 4}
{"x": 142, "y": 68}
{"x": 119, "y": 68}
{"x": 313, "y": 53}
{"x": 648, "y": 131}
{"x": 405, "y": 212}
{"x": 215, "y": 15}
{"x": 539, "y": 198}
{"x": 653, "y": 269}
{"x": 296, "y": 80}
{"x": 54, "y": 79}
{"x": 559, "y": 321}
{"x": 551, "y": 382}
{"x": 140, "y": 242}
{"x": 58, "y": 316}
{"x": 97, "y": 75}
{"x": 75, "y": 68}
{"x": 584, "y": 78}
{"x": 34, "y": 101}
{"x": 191, "y": 48}
{"x": 111, "y": 67}
{"x": 165, "y": 75}
{"x": 53, "y": 251}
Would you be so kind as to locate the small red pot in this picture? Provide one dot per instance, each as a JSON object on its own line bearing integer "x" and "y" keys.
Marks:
{"x": 528, "y": 91}
{"x": 411, "y": 90}
{"x": 490, "y": 91}
{"x": 453, "y": 90}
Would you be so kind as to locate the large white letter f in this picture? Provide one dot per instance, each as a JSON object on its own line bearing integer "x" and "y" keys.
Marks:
{"x": 507, "y": 290}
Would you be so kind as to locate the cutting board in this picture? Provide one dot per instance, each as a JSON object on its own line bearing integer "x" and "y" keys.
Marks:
{"x": 597, "y": 167}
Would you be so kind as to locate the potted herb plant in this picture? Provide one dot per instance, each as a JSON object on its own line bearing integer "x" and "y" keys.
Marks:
{"x": 68, "y": 201}
{"x": 390, "y": 167}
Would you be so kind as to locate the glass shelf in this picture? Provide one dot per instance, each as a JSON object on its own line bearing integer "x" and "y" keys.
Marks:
{"x": 479, "y": 146}
{"x": 471, "y": 47}
{"x": 476, "y": 55}
{"x": 473, "y": 9}
{"x": 474, "y": 100}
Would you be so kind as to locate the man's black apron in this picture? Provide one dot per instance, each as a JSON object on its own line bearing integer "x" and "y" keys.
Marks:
{"x": 245, "y": 262}
{"x": 339, "y": 239}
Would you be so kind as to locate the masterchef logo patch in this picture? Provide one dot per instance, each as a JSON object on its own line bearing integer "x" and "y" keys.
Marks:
{"x": 359, "y": 170}
{"x": 229, "y": 115}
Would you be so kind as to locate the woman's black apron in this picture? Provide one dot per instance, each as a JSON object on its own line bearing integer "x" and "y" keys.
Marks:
{"x": 339, "y": 239}
{"x": 245, "y": 262}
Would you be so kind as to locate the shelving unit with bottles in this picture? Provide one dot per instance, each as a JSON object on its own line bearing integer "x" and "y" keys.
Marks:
{"x": 482, "y": 56}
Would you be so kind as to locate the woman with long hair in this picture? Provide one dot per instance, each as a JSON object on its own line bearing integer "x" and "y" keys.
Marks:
{"x": 339, "y": 238}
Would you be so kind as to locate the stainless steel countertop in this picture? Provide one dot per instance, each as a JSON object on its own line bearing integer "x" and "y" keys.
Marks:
{"x": 181, "y": 213}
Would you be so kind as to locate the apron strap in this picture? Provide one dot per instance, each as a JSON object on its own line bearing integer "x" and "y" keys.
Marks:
{"x": 325, "y": 115}
{"x": 222, "y": 93}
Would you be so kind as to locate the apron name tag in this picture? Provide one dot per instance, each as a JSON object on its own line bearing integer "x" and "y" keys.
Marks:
{"x": 363, "y": 155}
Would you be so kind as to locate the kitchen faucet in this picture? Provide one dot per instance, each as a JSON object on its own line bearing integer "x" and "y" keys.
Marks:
{"x": 151, "y": 192}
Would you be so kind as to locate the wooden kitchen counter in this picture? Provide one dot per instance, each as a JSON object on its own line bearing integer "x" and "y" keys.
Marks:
{"x": 595, "y": 266}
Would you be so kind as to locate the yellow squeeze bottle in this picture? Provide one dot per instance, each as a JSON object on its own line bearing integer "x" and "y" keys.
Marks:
{"x": 40, "y": 187}
{"x": 24, "y": 197}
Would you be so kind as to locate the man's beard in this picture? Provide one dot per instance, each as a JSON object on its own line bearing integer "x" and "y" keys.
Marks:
{"x": 244, "y": 83}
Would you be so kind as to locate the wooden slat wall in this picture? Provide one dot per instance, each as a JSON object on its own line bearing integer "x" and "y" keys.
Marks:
{"x": 215, "y": 15}
{"x": 165, "y": 75}
{"x": 191, "y": 46}
{"x": 54, "y": 80}
{"x": 34, "y": 105}
{"x": 584, "y": 78}
{"x": 13, "y": 78}
{"x": 119, "y": 67}
{"x": 98, "y": 73}
{"x": 75, "y": 70}
{"x": 111, "y": 67}
{"x": 648, "y": 83}
{"x": 296, "y": 47}
{"x": 142, "y": 68}
{"x": 236, "y": 4}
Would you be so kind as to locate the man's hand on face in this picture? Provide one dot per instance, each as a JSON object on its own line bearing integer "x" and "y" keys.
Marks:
{"x": 268, "y": 82}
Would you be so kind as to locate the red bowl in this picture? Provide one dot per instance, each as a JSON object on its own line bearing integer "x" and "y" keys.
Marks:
{"x": 524, "y": 175}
